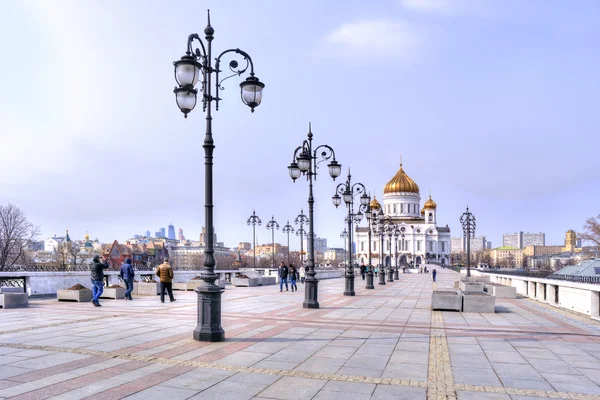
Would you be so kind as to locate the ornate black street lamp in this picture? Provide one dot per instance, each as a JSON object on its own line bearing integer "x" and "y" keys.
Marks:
{"x": 391, "y": 229}
{"x": 467, "y": 221}
{"x": 348, "y": 191}
{"x": 254, "y": 220}
{"x": 377, "y": 225}
{"x": 193, "y": 68}
{"x": 301, "y": 220}
{"x": 272, "y": 225}
{"x": 344, "y": 235}
{"x": 287, "y": 229}
{"x": 369, "y": 214}
{"x": 305, "y": 161}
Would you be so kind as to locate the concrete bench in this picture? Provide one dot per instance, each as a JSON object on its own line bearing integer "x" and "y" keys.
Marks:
{"x": 471, "y": 287}
{"x": 192, "y": 285}
{"x": 478, "y": 302}
{"x": 446, "y": 300}
{"x": 14, "y": 300}
{"x": 501, "y": 291}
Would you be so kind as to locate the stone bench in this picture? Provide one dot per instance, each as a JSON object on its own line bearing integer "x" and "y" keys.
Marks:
{"x": 252, "y": 282}
{"x": 146, "y": 288}
{"x": 470, "y": 286}
{"x": 14, "y": 300}
{"x": 192, "y": 285}
{"x": 80, "y": 296}
{"x": 446, "y": 300}
{"x": 478, "y": 302}
{"x": 501, "y": 291}
{"x": 113, "y": 293}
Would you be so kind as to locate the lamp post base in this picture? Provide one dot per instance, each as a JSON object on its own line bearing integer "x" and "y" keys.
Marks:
{"x": 390, "y": 273}
{"x": 370, "y": 279}
{"x": 209, "y": 314}
{"x": 396, "y": 274}
{"x": 381, "y": 276}
{"x": 311, "y": 285}
{"x": 349, "y": 284}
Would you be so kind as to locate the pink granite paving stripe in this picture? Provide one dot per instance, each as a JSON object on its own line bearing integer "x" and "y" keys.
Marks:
{"x": 140, "y": 384}
{"x": 154, "y": 343}
{"x": 43, "y": 373}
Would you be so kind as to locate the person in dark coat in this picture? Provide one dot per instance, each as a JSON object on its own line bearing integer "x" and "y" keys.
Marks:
{"x": 283, "y": 275}
{"x": 433, "y": 274}
{"x": 97, "y": 274}
{"x": 127, "y": 275}
{"x": 363, "y": 271}
{"x": 293, "y": 277}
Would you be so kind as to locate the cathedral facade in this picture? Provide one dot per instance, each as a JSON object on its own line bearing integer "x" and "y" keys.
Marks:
{"x": 419, "y": 239}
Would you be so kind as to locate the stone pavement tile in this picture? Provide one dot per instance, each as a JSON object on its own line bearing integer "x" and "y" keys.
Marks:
{"x": 581, "y": 361}
{"x": 517, "y": 397}
{"x": 529, "y": 343}
{"x": 10, "y": 359}
{"x": 283, "y": 365}
{"x": 416, "y": 372}
{"x": 336, "y": 352}
{"x": 290, "y": 355}
{"x": 526, "y": 384}
{"x": 243, "y": 358}
{"x": 349, "y": 387}
{"x": 517, "y": 371}
{"x": 48, "y": 361}
{"x": 327, "y": 395}
{"x": 34, "y": 385}
{"x": 230, "y": 390}
{"x": 347, "y": 342}
{"x": 163, "y": 392}
{"x": 251, "y": 377}
{"x": 31, "y": 353}
{"x": 496, "y": 346}
{"x": 510, "y": 357}
{"x": 292, "y": 388}
{"x": 475, "y": 376}
{"x": 7, "y": 384}
{"x": 570, "y": 383}
{"x": 481, "y": 396}
{"x": 412, "y": 346}
{"x": 321, "y": 365}
{"x": 409, "y": 357}
{"x": 376, "y": 349}
{"x": 554, "y": 366}
{"x": 132, "y": 375}
{"x": 466, "y": 349}
{"x": 358, "y": 371}
{"x": 469, "y": 361}
{"x": 367, "y": 361}
{"x": 593, "y": 374}
{"x": 198, "y": 379}
{"x": 89, "y": 390}
{"x": 461, "y": 340}
{"x": 386, "y": 392}
{"x": 8, "y": 350}
{"x": 532, "y": 353}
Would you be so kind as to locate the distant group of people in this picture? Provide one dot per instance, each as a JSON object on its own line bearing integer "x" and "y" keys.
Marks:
{"x": 293, "y": 274}
{"x": 127, "y": 274}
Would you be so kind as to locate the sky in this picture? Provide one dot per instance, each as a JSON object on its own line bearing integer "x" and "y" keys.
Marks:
{"x": 490, "y": 104}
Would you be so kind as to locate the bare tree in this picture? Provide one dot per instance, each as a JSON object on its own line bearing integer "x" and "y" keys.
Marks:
{"x": 62, "y": 255}
{"x": 16, "y": 232}
{"x": 591, "y": 230}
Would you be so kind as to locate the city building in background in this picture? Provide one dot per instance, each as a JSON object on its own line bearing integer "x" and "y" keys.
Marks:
{"x": 163, "y": 233}
{"x": 171, "y": 234}
{"x": 335, "y": 256}
{"x": 244, "y": 246}
{"x": 148, "y": 234}
{"x": 521, "y": 240}
{"x": 203, "y": 236}
{"x": 157, "y": 235}
{"x": 320, "y": 244}
{"x": 507, "y": 257}
{"x": 181, "y": 237}
{"x": 478, "y": 243}
{"x": 457, "y": 245}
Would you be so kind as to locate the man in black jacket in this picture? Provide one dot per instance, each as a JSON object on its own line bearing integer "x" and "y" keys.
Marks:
{"x": 363, "y": 271}
{"x": 283, "y": 274}
{"x": 97, "y": 270}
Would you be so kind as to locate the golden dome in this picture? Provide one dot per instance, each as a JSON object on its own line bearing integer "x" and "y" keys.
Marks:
{"x": 430, "y": 204}
{"x": 87, "y": 237}
{"x": 375, "y": 204}
{"x": 401, "y": 183}
{"x": 422, "y": 211}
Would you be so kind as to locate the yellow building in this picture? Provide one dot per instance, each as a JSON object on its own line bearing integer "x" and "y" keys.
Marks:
{"x": 571, "y": 242}
{"x": 511, "y": 257}
{"x": 267, "y": 249}
{"x": 532, "y": 250}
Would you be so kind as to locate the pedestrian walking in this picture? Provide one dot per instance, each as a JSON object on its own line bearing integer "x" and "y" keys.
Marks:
{"x": 127, "y": 275}
{"x": 376, "y": 271}
{"x": 165, "y": 273}
{"x": 293, "y": 277}
{"x": 97, "y": 274}
{"x": 283, "y": 275}
{"x": 433, "y": 274}
{"x": 302, "y": 274}
{"x": 363, "y": 271}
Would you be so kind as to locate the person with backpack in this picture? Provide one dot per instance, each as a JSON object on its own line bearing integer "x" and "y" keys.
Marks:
{"x": 165, "y": 272}
{"x": 127, "y": 275}
{"x": 293, "y": 277}
{"x": 283, "y": 275}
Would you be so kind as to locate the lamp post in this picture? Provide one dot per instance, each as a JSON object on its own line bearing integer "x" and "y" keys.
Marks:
{"x": 348, "y": 191}
{"x": 344, "y": 235}
{"x": 378, "y": 231}
{"x": 254, "y": 220}
{"x": 467, "y": 221}
{"x": 287, "y": 228}
{"x": 196, "y": 66}
{"x": 391, "y": 229}
{"x": 306, "y": 161}
{"x": 370, "y": 274}
{"x": 272, "y": 225}
{"x": 300, "y": 220}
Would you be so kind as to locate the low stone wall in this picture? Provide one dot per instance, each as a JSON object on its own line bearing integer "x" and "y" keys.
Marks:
{"x": 13, "y": 300}
{"x": 583, "y": 298}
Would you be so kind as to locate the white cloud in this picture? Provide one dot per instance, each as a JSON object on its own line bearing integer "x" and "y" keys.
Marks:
{"x": 428, "y": 5}
{"x": 463, "y": 7}
{"x": 364, "y": 39}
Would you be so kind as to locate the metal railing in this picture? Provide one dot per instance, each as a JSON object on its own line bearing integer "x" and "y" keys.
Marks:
{"x": 548, "y": 275}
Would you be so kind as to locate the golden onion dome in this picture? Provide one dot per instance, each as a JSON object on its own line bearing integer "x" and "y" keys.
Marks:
{"x": 422, "y": 211}
{"x": 375, "y": 204}
{"x": 401, "y": 183}
{"x": 430, "y": 204}
{"x": 87, "y": 237}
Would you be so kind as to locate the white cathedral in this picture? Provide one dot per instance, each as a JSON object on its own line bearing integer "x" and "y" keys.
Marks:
{"x": 419, "y": 238}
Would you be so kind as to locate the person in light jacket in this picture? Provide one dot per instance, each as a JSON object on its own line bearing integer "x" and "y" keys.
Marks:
{"x": 302, "y": 273}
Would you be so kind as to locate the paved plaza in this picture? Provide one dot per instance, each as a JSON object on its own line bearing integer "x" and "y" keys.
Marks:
{"x": 382, "y": 344}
